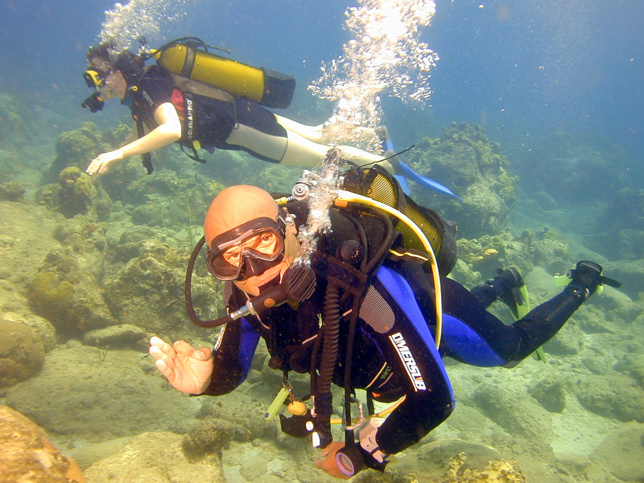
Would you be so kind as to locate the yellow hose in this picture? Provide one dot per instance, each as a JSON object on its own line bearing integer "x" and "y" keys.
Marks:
{"x": 381, "y": 414}
{"x": 348, "y": 196}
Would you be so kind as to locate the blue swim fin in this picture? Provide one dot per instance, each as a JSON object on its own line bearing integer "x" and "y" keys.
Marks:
{"x": 425, "y": 181}
{"x": 404, "y": 184}
{"x": 407, "y": 172}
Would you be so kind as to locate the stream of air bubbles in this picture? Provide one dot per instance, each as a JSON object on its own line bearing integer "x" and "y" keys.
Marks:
{"x": 126, "y": 25}
{"x": 384, "y": 56}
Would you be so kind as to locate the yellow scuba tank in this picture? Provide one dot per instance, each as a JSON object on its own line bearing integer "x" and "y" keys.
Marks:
{"x": 189, "y": 57}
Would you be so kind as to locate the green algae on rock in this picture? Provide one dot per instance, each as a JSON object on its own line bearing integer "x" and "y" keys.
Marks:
{"x": 466, "y": 161}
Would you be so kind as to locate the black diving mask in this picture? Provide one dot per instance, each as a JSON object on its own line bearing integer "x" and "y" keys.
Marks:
{"x": 247, "y": 250}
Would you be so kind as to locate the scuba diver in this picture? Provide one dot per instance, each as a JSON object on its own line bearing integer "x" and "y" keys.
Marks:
{"x": 385, "y": 327}
{"x": 202, "y": 101}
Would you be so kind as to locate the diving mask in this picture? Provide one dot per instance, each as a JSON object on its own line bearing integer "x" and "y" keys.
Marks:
{"x": 95, "y": 78}
{"x": 247, "y": 250}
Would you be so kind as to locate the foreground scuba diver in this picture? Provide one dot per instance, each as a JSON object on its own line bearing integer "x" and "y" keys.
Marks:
{"x": 378, "y": 309}
{"x": 170, "y": 107}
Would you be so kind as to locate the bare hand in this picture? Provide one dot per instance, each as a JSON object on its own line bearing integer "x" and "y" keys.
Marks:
{"x": 101, "y": 163}
{"x": 186, "y": 369}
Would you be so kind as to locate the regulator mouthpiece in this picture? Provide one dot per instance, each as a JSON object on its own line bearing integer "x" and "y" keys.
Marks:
{"x": 94, "y": 102}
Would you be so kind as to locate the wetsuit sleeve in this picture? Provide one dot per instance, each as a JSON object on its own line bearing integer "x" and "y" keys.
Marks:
{"x": 402, "y": 335}
{"x": 233, "y": 356}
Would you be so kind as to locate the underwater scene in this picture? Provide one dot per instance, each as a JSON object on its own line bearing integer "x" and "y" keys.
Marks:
{"x": 519, "y": 123}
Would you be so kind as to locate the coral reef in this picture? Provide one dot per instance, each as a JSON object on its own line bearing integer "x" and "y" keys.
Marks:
{"x": 75, "y": 194}
{"x": 65, "y": 293}
{"x": 22, "y": 354}
{"x": 551, "y": 395}
{"x": 208, "y": 436}
{"x": 106, "y": 276}
{"x": 172, "y": 202}
{"x": 148, "y": 291}
{"x": 614, "y": 396}
{"x": 14, "y": 118}
{"x": 77, "y": 148}
{"x": 465, "y": 160}
{"x": 545, "y": 248}
{"x": 12, "y": 191}
{"x": 498, "y": 471}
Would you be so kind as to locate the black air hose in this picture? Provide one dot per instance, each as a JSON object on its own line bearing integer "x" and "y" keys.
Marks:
{"x": 188, "y": 289}
{"x": 331, "y": 335}
{"x": 321, "y": 385}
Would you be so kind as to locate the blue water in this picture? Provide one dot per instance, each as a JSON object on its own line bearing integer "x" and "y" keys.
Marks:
{"x": 520, "y": 68}
{"x": 558, "y": 83}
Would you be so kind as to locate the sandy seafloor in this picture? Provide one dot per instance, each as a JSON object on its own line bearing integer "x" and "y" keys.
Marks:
{"x": 577, "y": 417}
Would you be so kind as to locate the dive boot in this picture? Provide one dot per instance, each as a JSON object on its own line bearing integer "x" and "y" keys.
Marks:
{"x": 508, "y": 287}
{"x": 586, "y": 279}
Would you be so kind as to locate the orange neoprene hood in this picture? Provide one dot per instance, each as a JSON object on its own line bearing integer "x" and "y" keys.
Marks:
{"x": 237, "y": 205}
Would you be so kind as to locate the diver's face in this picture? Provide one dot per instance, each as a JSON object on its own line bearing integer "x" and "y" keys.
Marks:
{"x": 114, "y": 84}
{"x": 251, "y": 285}
{"x": 265, "y": 244}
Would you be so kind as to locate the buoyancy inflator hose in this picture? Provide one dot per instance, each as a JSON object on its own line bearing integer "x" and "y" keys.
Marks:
{"x": 189, "y": 57}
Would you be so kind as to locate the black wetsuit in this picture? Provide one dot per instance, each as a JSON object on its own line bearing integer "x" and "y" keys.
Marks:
{"x": 394, "y": 352}
{"x": 207, "y": 120}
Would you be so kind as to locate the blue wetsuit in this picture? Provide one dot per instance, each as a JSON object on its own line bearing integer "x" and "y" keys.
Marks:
{"x": 394, "y": 353}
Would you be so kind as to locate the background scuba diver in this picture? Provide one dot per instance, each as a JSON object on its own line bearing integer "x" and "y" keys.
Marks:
{"x": 171, "y": 115}
{"x": 251, "y": 245}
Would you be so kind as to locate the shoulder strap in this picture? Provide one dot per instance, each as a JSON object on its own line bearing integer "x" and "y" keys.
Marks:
{"x": 201, "y": 89}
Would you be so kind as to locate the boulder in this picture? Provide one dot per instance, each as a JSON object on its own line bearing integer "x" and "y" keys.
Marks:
{"x": 22, "y": 354}
{"x": 27, "y": 455}
{"x": 615, "y": 396}
{"x": 621, "y": 452}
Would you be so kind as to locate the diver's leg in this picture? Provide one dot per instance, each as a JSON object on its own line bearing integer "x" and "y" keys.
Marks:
{"x": 302, "y": 152}
{"x": 504, "y": 287}
{"x": 312, "y": 133}
{"x": 471, "y": 322}
{"x": 259, "y": 133}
